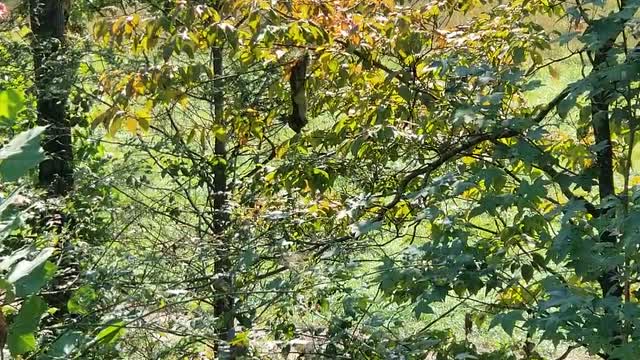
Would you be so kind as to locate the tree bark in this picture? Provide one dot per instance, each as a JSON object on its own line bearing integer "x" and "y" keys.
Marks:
{"x": 52, "y": 75}
{"x": 224, "y": 302}
{"x": 600, "y": 103}
{"x": 50, "y": 65}
{"x": 609, "y": 280}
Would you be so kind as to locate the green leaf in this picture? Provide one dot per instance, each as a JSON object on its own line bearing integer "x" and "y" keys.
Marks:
{"x": 21, "y": 154}
{"x": 32, "y": 283}
{"x": 21, "y": 338}
{"x": 111, "y": 333}
{"x": 357, "y": 144}
{"x": 461, "y": 186}
{"x": 495, "y": 178}
{"x": 242, "y": 339}
{"x": 532, "y": 191}
{"x": 64, "y": 346}
{"x": 566, "y": 105}
{"x": 81, "y": 300}
{"x": 507, "y": 321}
{"x": 21, "y": 343}
{"x": 422, "y": 308}
{"x": 527, "y": 272}
{"x": 8, "y": 261}
{"x": 9, "y": 291}
{"x": 230, "y": 33}
{"x": 187, "y": 48}
{"x": 26, "y": 267}
{"x": 518, "y": 55}
{"x": 9, "y": 219}
{"x": 406, "y": 93}
{"x": 538, "y": 259}
{"x": 11, "y": 102}
{"x": 276, "y": 283}
{"x": 30, "y": 275}
{"x": 167, "y": 51}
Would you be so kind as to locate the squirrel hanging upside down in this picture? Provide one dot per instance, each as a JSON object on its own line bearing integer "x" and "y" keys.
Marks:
{"x": 297, "y": 80}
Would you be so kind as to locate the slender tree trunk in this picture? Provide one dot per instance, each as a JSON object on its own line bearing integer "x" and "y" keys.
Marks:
{"x": 600, "y": 103}
{"x": 610, "y": 282}
{"x": 50, "y": 66}
{"x": 224, "y": 302}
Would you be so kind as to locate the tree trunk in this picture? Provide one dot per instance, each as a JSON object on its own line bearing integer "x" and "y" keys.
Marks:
{"x": 52, "y": 75}
{"x": 609, "y": 280}
{"x": 50, "y": 66}
{"x": 224, "y": 302}
{"x": 600, "y": 103}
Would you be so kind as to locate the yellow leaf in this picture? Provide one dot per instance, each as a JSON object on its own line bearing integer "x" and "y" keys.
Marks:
{"x": 554, "y": 73}
{"x": 220, "y": 133}
{"x": 635, "y": 157}
{"x": 117, "y": 26}
{"x": 270, "y": 177}
{"x": 282, "y": 150}
{"x": 183, "y": 99}
{"x": 115, "y": 126}
{"x": 137, "y": 85}
{"x": 143, "y": 117}
{"x": 390, "y": 4}
{"x": 104, "y": 118}
{"x": 468, "y": 160}
{"x": 134, "y": 19}
{"x": 131, "y": 124}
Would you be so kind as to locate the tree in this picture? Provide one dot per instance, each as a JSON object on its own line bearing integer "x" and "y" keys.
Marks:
{"x": 423, "y": 156}
{"x": 50, "y": 66}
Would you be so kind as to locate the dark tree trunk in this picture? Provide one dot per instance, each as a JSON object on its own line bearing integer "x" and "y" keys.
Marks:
{"x": 600, "y": 103}
{"x": 53, "y": 73}
{"x": 52, "y": 88}
{"x": 224, "y": 302}
{"x": 609, "y": 280}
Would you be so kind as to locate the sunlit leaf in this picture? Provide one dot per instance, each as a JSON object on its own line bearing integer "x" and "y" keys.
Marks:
{"x": 21, "y": 338}
{"x": 11, "y": 102}
{"x": 111, "y": 333}
{"x": 22, "y": 153}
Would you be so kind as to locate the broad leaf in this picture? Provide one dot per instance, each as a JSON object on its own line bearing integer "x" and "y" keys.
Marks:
{"x": 8, "y": 261}
{"x": 21, "y": 154}
{"x": 11, "y": 102}
{"x": 507, "y": 321}
{"x": 111, "y": 333}
{"x": 32, "y": 283}
{"x": 65, "y": 345}
{"x": 81, "y": 300}
{"x": 21, "y": 338}
{"x": 30, "y": 275}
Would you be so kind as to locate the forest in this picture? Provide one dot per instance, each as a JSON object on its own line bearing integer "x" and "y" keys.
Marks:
{"x": 320, "y": 179}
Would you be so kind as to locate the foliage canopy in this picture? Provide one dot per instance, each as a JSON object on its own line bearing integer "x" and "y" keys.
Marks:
{"x": 466, "y": 166}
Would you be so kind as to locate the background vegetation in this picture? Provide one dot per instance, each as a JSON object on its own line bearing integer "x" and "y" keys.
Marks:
{"x": 335, "y": 179}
